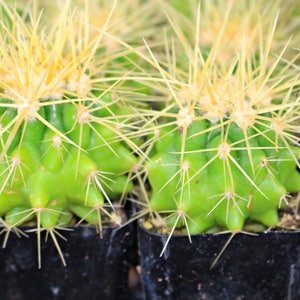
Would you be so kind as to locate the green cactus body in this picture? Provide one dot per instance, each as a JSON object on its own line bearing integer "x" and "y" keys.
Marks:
{"x": 229, "y": 180}
{"x": 53, "y": 147}
{"x": 55, "y": 215}
{"x": 11, "y": 198}
{"x": 24, "y": 161}
{"x": 54, "y": 151}
{"x": 44, "y": 186}
{"x": 6, "y": 119}
{"x": 79, "y": 171}
{"x": 85, "y": 213}
{"x": 118, "y": 185}
{"x": 109, "y": 154}
{"x": 75, "y": 122}
{"x": 33, "y": 131}
{"x": 18, "y": 215}
{"x": 161, "y": 171}
{"x": 287, "y": 169}
{"x": 103, "y": 107}
{"x": 265, "y": 210}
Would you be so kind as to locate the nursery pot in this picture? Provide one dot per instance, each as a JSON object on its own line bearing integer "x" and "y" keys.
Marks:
{"x": 264, "y": 266}
{"x": 96, "y": 268}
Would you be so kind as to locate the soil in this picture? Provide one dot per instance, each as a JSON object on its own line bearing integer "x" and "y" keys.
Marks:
{"x": 290, "y": 215}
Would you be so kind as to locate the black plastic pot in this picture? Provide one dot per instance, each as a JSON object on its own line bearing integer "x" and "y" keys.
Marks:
{"x": 96, "y": 268}
{"x": 266, "y": 266}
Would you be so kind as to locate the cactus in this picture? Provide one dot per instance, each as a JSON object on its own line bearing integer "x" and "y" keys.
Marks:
{"x": 224, "y": 144}
{"x": 65, "y": 149}
{"x": 219, "y": 140}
